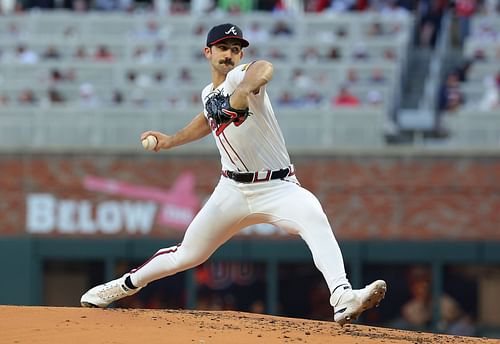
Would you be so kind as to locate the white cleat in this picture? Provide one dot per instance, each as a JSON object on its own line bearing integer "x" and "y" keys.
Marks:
{"x": 104, "y": 294}
{"x": 354, "y": 302}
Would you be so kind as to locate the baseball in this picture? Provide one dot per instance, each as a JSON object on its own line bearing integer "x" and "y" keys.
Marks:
{"x": 149, "y": 143}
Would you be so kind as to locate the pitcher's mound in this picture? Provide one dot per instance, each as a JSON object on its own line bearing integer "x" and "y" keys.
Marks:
{"x": 61, "y": 325}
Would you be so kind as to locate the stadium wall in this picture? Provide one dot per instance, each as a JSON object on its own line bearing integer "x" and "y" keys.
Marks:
{"x": 366, "y": 197}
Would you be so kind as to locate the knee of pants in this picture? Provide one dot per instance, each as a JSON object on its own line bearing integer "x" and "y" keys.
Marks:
{"x": 190, "y": 258}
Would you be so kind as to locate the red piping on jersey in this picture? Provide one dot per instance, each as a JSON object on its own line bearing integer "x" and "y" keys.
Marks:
{"x": 169, "y": 250}
{"x": 234, "y": 151}
{"x": 222, "y": 144}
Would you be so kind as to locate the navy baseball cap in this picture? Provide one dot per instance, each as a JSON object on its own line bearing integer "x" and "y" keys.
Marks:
{"x": 225, "y": 31}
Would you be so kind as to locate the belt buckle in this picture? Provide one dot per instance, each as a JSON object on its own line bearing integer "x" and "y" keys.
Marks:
{"x": 257, "y": 178}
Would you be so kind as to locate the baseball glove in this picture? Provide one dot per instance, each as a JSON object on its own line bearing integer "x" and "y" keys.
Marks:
{"x": 219, "y": 109}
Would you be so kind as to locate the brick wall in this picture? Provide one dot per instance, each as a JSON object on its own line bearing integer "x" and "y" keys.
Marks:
{"x": 410, "y": 198}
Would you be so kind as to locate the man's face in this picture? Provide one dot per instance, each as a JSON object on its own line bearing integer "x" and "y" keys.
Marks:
{"x": 225, "y": 55}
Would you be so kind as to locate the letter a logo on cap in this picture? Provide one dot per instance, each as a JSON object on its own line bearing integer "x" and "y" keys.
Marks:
{"x": 231, "y": 30}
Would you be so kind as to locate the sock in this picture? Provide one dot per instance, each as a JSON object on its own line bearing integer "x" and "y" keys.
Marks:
{"x": 128, "y": 283}
{"x": 337, "y": 293}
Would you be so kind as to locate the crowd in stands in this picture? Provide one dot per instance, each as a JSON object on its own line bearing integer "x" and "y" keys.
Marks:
{"x": 484, "y": 40}
{"x": 365, "y": 84}
{"x": 358, "y": 83}
{"x": 388, "y": 7}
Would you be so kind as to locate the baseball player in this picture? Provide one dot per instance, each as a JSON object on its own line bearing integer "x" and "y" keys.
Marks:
{"x": 257, "y": 183}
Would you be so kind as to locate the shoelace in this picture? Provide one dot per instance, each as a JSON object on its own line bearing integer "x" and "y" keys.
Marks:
{"x": 110, "y": 291}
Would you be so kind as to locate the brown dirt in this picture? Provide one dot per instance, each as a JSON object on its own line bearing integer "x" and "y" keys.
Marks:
{"x": 61, "y": 325}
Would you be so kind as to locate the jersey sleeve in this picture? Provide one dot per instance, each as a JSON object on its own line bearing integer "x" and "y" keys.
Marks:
{"x": 234, "y": 78}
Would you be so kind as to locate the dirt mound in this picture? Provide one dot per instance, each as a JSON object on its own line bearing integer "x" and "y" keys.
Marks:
{"x": 61, "y": 325}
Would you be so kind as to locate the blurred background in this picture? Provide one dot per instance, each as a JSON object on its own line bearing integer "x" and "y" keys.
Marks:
{"x": 390, "y": 110}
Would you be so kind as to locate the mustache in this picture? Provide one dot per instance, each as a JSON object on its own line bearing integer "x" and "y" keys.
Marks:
{"x": 227, "y": 61}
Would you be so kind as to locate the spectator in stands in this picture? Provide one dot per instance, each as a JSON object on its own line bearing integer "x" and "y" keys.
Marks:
{"x": 55, "y": 97}
{"x": 287, "y": 99}
{"x": 175, "y": 102}
{"x": 416, "y": 314}
{"x": 345, "y": 98}
{"x": 334, "y": 54}
{"x": 377, "y": 76}
{"x": 276, "y": 54}
{"x": 392, "y": 9}
{"x": 313, "y": 98}
{"x": 360, "y": 52}
{"x": 80, "y": 5}
{"x": 376, "y": 29}
{"x": 480, "y": 55}
{"x": 281, "y": 29}
{"x": 352, "y": 77}
{"x": 27, "y": 97}
{"x": 131, "y": 77}
{"x": 491, "y": 95}
{"x": 51, "y": 53}
{"x": 374, "y": 98}
{"x": 159, "y": 77}
{"x": 316, "y": 6}
{"x": 430, "y": 23}
{"x": 87, "y": 96}
{"x": 267, "y": 5}
{"x": 390, "y": 54}
{"x": 25, "y": 55}
{"x": 454, "y": 320}
{"x": 300, "y": 79}
{"x": 258, "y": 306}
{"x": 56, "y": 76}
{"x": 236, "y": 6}
{"x": 311, "y": 55}
{"x": 451, "y": 98}
{"x": 103, "y": 54}
{"x": 463, "y": 70}
{"x": 185, "y": 76}
{"x": 485, "y": 33}
{"x": 151, "y": 29}
{"x": 117, "y": 98}
{"x": 160, "y": 52}
{"x": 464, "y": 10}
{"x": 141, "y": 56}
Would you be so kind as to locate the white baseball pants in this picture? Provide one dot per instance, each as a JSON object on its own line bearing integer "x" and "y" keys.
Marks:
{"x": 234, "y": 206}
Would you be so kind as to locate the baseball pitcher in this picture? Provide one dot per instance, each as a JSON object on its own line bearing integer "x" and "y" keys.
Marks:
{"x": 257, "y": 183}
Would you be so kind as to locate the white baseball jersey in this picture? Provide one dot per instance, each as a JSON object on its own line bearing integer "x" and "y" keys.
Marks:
{"x": 255, "y": 145}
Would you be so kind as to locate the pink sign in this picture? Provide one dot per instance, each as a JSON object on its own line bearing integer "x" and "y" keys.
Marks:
{"x": 178, "y": 206}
